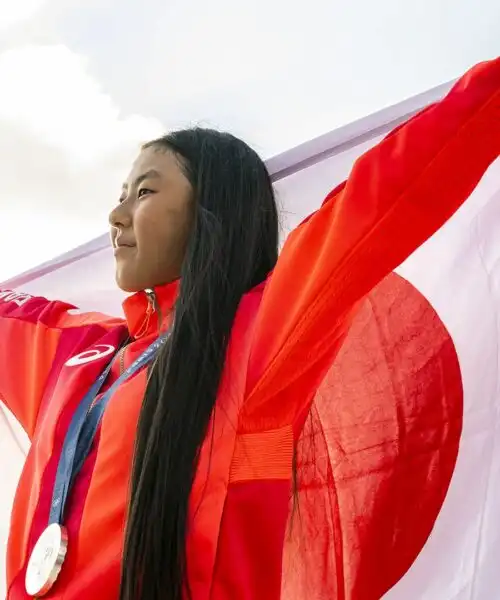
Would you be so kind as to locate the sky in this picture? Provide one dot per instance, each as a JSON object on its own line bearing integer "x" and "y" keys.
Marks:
{"x": 84, "y": 82}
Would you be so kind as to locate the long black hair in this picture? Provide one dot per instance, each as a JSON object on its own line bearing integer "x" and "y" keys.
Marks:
{"x": 232, "y": 248}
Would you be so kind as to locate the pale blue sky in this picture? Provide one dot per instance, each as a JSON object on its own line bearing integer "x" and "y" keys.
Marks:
{"x": 84, "y": 81}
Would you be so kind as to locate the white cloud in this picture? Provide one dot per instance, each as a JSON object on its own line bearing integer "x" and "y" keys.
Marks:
{"x": 47, "y": 91}
{"x": 64, "y": 149}
{"x": 13, "y": 13}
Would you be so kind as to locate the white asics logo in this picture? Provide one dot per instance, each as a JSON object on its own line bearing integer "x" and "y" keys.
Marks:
{"x": 16, "y": 297}
{"x": 89, "y": 355}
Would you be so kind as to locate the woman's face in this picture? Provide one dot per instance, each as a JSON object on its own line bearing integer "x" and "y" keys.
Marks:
{"x": 150, "y": 226}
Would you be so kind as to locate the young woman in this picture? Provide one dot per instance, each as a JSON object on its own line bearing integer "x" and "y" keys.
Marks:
{"x": 162, "y": 458}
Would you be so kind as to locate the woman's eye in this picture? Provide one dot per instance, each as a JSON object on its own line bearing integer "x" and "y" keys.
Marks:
{"x": 143, "y": 192}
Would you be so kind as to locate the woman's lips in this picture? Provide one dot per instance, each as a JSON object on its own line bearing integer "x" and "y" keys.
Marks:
{"x": 122, "y": 249}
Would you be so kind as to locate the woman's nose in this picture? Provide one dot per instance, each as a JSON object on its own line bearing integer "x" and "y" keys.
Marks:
{"x": 120, "y": 216}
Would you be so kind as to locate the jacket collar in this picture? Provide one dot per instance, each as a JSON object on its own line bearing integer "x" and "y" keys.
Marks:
{"x": 149, "y": 312}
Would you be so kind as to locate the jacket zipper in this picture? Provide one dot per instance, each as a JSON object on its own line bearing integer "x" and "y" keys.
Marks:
{"x": 152, "y": 305}
{"x": 151, "y": 295}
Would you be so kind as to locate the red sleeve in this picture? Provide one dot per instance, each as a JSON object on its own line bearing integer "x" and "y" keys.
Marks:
{"x": 30, "y": 332}
{"x": 398, "y": 194}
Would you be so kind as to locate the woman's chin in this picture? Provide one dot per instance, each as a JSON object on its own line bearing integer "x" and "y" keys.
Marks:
{"x": 126, "y": 282}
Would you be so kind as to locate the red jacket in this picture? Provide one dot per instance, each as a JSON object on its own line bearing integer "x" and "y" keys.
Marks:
{"x": 286, "y": 335}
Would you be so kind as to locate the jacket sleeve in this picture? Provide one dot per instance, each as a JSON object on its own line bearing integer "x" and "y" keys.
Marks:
{"x": 31, "y": 331}
{"x": 398, "y": 194}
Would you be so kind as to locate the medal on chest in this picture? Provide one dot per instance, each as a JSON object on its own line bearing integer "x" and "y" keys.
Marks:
{"x": 49, "y": 553}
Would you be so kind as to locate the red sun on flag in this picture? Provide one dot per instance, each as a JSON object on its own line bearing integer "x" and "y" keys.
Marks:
{"x": 373, "y": 472}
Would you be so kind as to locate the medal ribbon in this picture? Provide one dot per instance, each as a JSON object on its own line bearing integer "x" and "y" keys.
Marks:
{"x": 83, "y": 427}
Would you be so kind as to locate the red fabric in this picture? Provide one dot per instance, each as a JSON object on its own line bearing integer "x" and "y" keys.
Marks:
{"x": 251, "y": 541}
